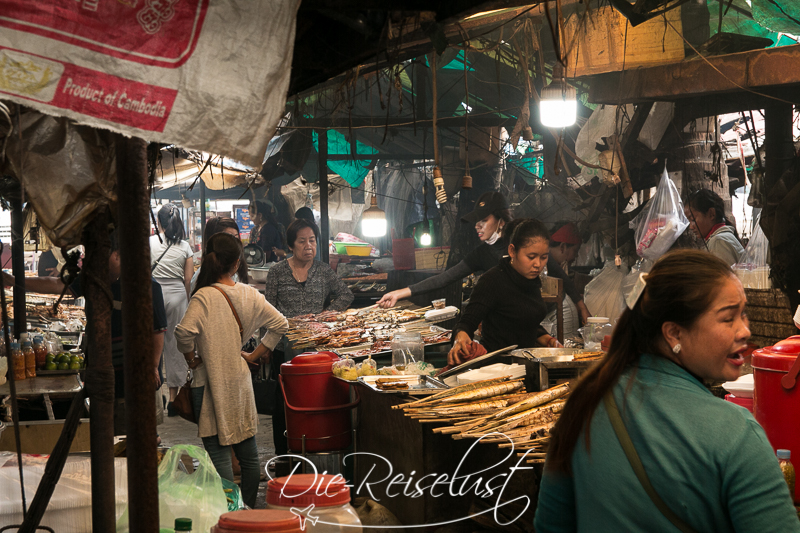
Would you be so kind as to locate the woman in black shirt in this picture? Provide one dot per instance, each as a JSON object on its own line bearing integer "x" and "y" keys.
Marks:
{"x": 490, "y": 216}
{"x": 508, "y": 298}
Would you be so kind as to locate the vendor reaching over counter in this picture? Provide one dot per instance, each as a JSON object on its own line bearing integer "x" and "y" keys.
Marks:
{"x": 490, "y": 217}
{"x": 508, "y": 299}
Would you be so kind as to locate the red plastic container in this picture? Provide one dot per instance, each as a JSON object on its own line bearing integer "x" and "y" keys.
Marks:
{"x": 301, "y": 490}
{"x": 317, "y": 404}
{"x": 258, "y": 520}
{"x": 776, "y": 408}
{"x": 747, "y": 403}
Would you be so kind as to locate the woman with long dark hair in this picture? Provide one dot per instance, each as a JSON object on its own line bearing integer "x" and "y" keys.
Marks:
{"x": 268, "y": 233}
{"x": 172, "y": 263}
{"x": 490, "y": 218}
{"x": 211, "y": 339}
{"x": 706, "y": 213}
{"x": 222, "y": 225}
{"x": 708, "y": 461}
{"x": 508, "y": 298}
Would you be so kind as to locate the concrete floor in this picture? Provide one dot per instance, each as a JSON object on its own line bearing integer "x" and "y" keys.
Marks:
{"x": 176, "y": 430}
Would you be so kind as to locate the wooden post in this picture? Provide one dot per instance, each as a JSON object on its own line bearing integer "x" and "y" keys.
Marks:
{"x": 778, "y": 145}
{"x": 324, "y": 230}
{"x": 100, "y": 374}
{"x": 137, "y": 332}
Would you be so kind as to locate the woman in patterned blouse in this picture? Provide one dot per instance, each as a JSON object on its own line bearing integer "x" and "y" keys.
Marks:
{"x": 299, "y": 286}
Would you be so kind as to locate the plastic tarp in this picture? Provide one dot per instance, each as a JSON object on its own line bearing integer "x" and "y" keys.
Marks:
{"x": 353, "y": 172}
{"x": 210, "y": 76}
{"x": 79, "y": 159}
{"x": 70, "y": 507}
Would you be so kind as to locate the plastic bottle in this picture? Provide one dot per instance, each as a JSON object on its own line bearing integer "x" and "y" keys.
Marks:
{"x": 30, "y": 359}
{"x": 40, "y": 349}
{"x": 18, "y": 361}
{"x": 183, "y": 524}
{"x": 787, "y": 468}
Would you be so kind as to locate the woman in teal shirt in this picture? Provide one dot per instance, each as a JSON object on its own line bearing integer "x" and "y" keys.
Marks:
{"x": 707, "y": 460}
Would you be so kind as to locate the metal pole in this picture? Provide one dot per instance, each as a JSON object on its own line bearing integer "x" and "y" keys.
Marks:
{"x": 18, "y": 267}
{"x": 137, "y": 333}
{"x": 324, "y": 230}
{"x": 202, "y": 211}
{"x": 100, "y": 373}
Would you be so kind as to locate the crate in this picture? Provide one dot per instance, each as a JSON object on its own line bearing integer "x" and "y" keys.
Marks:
{"x": 597, "y": 44}
{"x": 432, "y": 258}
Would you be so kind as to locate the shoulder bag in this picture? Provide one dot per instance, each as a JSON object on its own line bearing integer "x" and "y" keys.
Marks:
{"x": 265, "y": 387}
{"x": 183, "y": 402}
{"x": 153, "y": 268}
{"x": 636, "y": 463}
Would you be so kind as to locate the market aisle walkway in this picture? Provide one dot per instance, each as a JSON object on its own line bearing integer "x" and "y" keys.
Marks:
{"x": 176, "y": 430}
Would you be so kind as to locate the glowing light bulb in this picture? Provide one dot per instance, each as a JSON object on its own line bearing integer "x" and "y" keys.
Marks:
{"x": 425, "y": 239}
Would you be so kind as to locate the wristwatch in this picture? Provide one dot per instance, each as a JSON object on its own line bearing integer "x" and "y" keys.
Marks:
{"x": 193, "y": 359}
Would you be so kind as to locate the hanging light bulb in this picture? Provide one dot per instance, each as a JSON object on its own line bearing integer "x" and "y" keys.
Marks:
{"x": 438, "y": 183}
{"x": 558, "y": 106}
{"x": 373, "y": 220}
{"x": 425, "y": 239}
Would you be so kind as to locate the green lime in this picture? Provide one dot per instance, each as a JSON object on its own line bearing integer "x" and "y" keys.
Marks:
{"x": 63, "y": 358}
{"x": 83, "y": 364}
{"x": 50, "y": 357}
{"x": 63, "y": 366}
{"x": 74, "y": 359}
{"x": 75, "y": 366}
{"x": 51, "y": 365}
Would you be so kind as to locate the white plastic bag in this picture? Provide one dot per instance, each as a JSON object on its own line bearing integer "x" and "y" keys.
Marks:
{"x": 199, "y": 495}
{"x": 604, "y": 122}
{"x": 753, "y": 269}
{"x": 603, "y": 295}
{"x": 661, "y": 222}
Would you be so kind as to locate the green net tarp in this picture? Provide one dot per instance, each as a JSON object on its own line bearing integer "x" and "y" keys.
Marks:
{"x": 353, "y": 172}
{"x": 770, "y": 17}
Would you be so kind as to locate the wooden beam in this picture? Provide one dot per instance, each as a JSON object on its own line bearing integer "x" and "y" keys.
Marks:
{"x": 343, "y": 123}
{"x": 757, "y": 70}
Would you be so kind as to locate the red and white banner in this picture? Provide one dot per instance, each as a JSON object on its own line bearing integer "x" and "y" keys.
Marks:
{"x": 207, "y": 75}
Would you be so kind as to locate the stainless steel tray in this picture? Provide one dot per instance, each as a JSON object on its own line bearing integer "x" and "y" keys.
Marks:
{"x": 417, "y": 385}
{"x": 550, "y": 356}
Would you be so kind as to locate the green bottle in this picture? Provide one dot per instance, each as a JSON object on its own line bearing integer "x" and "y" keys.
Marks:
{"x": 183, "y": 524}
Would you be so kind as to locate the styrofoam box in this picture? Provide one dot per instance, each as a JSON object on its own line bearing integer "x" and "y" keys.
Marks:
{"x": 492, "y": 371}
{"x": 70, "y": 508}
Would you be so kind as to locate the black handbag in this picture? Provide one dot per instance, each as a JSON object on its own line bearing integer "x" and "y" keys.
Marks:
{"x": 265, "y": 389}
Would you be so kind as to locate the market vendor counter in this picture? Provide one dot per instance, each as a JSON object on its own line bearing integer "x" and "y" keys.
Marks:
{"x": 402, "y": 446}
{"x": 40, "y": 436}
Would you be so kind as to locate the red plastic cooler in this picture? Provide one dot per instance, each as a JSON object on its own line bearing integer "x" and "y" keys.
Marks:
{"x": 317, "y": 404}
{"x": 777, "y": 408}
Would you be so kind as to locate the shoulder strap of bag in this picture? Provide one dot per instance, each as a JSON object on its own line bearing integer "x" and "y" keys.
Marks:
{"x": 235, "y": 314}
{"x": 636, "y": 463}
{"x": 153, "y": 268}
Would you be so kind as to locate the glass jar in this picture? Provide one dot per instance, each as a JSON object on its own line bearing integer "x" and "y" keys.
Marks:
{"x": 407, "y": 348}
{"x": 595, "y": 330}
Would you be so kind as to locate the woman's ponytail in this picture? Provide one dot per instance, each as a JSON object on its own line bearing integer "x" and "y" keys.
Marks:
{"x": 222, "y": 252}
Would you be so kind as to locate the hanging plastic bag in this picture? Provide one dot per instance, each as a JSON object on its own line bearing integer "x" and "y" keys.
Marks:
{"x": 753, "y": 269}
{"x": 661, "y": 222}
{"x": 602, "y": 295}
{"x": 198, "y": 495}
{"x": 642, "y": 266}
